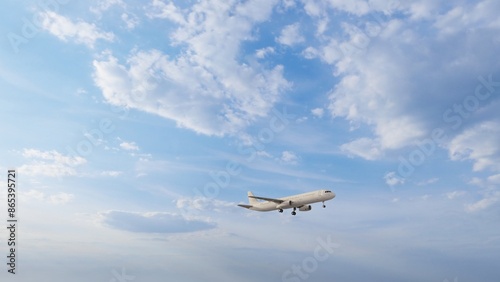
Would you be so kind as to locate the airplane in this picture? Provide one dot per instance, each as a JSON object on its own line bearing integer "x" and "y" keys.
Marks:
{"x": 301, "y": 201}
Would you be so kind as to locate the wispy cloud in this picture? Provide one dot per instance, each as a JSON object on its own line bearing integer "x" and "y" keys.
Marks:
{"x": 153, "y": 222}
{"x": 489, "y": 200}
{"x": 80, "y": 32}
{"x": 455, "y": 194}
{"x": 166, "y": 10}
{"x": 474, "y": 15}
{"x": 318, "y": 112}
{"x": 428, "y": 181}
{"x": 479, "y": 144}
{"x": 50, "y": 163}
{"x": 112, "y": 173}
{"x": 363, "y": 147}
{"x": 392, "y": 179}
{"x": 203, "y": 204}
{"x": 262, "y": 53}
{"x": 105, "y": 5}
{"x": 129, "y": 146}
{"x": 490, "y": 194}
{"x": 60, "y": 198}
{"x": 289, "y": 157}
{"x": 130, "y": 20}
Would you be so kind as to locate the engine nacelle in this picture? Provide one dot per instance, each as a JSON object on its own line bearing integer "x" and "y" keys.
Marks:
{"x": 284, "y": 205}
{"x": 305, "y": 208}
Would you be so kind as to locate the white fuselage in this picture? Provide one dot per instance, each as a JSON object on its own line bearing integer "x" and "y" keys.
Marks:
{"x": 297, "y": 201}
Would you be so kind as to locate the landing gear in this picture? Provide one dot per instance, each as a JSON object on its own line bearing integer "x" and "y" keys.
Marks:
{"x": 293, "y": 212}
{"x": 324, "y": 205}
{"x": 280, "y": 210}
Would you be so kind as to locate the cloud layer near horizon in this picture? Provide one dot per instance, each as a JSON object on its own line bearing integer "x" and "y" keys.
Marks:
{"x": 153, "y": 222}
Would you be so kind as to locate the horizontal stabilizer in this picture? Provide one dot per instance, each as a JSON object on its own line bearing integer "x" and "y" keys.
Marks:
{"x": 245, "y": 206}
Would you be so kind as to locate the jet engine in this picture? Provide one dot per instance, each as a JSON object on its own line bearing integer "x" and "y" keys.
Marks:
{"x": 305, "y": 208}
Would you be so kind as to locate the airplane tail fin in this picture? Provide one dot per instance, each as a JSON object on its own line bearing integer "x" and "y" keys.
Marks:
{"x": 251, "y": 200}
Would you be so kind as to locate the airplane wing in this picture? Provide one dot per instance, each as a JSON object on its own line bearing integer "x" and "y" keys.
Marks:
{"x": 245, "y": 206}
{"x": 277, "y": 201}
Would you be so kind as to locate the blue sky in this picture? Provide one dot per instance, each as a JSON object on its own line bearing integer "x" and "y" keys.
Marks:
{"x": 137, "y": 129}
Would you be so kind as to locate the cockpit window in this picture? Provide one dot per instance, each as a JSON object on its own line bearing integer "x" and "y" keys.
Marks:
{"x": 328, "y": 191}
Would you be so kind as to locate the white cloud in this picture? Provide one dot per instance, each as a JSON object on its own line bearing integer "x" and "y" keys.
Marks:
{"x": 428, "y": 181}
{"x": 366, "y": 148}
{"x": 289, "y": 157}
{"x": 494, "y": 179}
{"x": 395, "y": 78}
{"x": 320, "y": 8}
{"x": 489, "y": 183}
{"x": 262, "y": 53}
{"x": 290, "y": 35}
{"x": 112, "y": 173}
{"x": 392, "y": 179}
{"x": 104, "y": 5}
{"x": 50, "y": 163}
{"x": 130, "y": 20}
{"x": 481, "y": 144}
{"x": 53, "y": 156}
{"x": 489, "y": 200}
{"x": 264, "y": 154}
{"x": 129, "y": 146}
{"x": 318, "y": 112}
{"x": 482, "y": 14}
{"x": 203, "y": 204}
{"x": 80, "y": 92}
{"x": 153, "y": 222}
{"x": 314, "y": 8}
{"x": 65, "y": 29}
{"x": 356, "y": 7}
{"x": 203, "y": 88}
{"x": 55, "y": 199}
{"x": 96, "y": 137}
{"x": 61, "y": 198}
{"x": 47, "y": 169}
{"x": 419, "y": 10}
{"x": 288, "y": 4}
{"x": 302, "y": 119}
{"x": 310, "y": 53}
{"x": 455, "y": 194}
{"x": 160, "y": 9}
{"x": 490, "y": 193}
{"x": 34, "y": 194}
{"x": 368, "y": 95}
